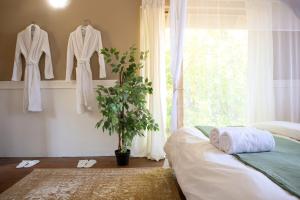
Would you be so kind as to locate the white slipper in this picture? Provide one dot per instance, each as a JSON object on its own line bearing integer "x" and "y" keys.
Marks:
{"x": 90, "y": 163}
{"x": 23, "y": 163}
{"x": 32, "y": 163}
{"x": 82, "y": 163}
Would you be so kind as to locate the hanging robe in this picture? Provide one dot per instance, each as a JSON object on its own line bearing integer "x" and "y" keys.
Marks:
{"x": 83, "y": 42}
{"x": 32, "y": 42}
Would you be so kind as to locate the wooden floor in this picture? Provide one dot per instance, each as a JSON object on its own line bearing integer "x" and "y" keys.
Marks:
{"x": 9, "y": 175}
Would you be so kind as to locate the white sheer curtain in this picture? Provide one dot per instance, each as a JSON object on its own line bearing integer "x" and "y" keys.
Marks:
{"x": 152, "y": 40}
{"x": 260, "y": 61}
{"x": 240, "y": 61}
{"x": 286, "y": 38}
{"x": 274, "y": 63}
{"x": 177, "y": 27}
{"x": 215, "y": 63}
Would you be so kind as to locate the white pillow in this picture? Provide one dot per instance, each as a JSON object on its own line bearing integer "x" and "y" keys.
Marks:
{"x": 287, "y": 129}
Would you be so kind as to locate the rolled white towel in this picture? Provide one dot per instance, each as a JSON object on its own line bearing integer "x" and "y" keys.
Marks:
{"x": 214, "y": 137}
{"x": 235, "y": 140}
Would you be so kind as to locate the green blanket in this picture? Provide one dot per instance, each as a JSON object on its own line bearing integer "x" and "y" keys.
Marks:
{"x": 282, "y": 165}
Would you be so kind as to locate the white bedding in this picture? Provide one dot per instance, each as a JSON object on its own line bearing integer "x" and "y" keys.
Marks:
{"x": 204, "y": 172}
{"x": 287, "y": 129}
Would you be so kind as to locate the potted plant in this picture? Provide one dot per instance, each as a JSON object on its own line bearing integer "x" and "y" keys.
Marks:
{"x": 123, "y": 106}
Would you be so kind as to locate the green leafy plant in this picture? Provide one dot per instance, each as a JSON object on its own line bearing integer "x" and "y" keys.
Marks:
{"x": 123, "y": 106}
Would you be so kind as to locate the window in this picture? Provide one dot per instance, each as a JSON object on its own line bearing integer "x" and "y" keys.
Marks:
{"x": 215, "y": 77}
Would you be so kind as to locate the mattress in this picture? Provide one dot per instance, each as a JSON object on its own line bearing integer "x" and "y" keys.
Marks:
{"x": 204, "y": 172}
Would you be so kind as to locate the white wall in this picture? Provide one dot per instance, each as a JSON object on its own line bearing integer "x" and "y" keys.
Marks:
{"x": 57, "y": 131}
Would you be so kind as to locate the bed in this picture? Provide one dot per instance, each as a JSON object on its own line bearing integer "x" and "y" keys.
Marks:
{"x": 204, "y": 172}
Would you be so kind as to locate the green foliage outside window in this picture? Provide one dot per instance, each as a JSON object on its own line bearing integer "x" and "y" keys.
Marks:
{"x": 215, "y": 77}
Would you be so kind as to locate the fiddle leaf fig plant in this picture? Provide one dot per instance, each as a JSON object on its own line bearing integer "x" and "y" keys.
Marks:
{"x": 123, "y": 106}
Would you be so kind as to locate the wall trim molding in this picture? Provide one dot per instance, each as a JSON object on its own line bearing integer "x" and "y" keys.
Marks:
{"x": 62, "y": 84}
{"x": 54, "y": 84}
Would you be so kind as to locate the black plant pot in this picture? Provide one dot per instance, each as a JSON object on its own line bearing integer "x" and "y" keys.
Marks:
{"x": 122, "y": 158}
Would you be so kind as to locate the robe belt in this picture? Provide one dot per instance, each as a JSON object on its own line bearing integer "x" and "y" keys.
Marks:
{"x": 31, "y": 62}
{"x": 83, "y": 61}
{"x": 84, "y": 86}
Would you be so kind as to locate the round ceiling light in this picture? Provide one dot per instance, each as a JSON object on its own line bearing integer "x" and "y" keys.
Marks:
{"x": 59, "y": 3}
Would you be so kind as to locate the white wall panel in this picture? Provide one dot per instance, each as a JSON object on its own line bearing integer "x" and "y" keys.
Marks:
{"x": 57, "y": 131}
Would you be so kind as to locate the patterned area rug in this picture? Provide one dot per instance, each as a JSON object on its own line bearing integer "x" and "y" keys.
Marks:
{"x": 104, "y": 184}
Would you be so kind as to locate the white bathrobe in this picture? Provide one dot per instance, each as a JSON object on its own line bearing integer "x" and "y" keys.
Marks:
{"x": 32, "y": 42}
{"x": 83, "y": 42}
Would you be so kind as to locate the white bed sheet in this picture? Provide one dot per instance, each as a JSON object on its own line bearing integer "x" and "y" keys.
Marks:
{"x": 287, "y": 129}
{"x": 205, "y": 173}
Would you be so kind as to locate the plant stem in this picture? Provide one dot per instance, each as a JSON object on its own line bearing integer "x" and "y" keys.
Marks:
{"x": 121, "y": 116}
{"x": 119, "y": 146}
